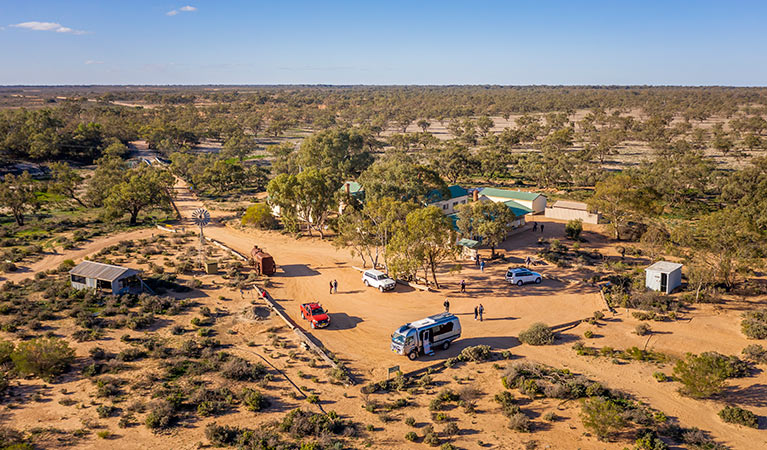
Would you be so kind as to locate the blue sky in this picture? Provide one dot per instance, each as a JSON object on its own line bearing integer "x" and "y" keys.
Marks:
{"x": 385, "y": 42}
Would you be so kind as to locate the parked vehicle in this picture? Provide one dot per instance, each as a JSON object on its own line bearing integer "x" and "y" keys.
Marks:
{"x": 378, "y": 280}
{"x": 426, "y": 334}
{"x": 262, "y": 262}
{"x": 313, "y": 312}
{"x": 522, "y": 276}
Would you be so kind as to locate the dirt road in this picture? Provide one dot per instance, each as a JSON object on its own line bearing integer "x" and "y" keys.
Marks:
{"x": 52, "y": 260}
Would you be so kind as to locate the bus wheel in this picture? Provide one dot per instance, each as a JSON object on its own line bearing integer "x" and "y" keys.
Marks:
{"x": 412, "y": 355}
{"x": 446, "y": 345}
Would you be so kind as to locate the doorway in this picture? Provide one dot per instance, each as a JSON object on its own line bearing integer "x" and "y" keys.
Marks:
{"x": 663, "y": 282}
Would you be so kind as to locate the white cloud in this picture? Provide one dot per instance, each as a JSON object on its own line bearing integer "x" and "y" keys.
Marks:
{"x": 47, "y": 26}
{"x": 91, "y": 61}
{"x": 187, "y": 8}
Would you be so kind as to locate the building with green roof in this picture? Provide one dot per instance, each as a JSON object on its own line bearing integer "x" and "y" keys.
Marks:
{"x": 457, "y": 196}
{"x": 534, "y": 202}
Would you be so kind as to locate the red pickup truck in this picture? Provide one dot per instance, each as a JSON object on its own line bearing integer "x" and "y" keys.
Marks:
{"x": 316, "y": 316}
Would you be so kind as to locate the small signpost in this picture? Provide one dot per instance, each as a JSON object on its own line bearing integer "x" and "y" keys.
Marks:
{"x": 393, "y": 370}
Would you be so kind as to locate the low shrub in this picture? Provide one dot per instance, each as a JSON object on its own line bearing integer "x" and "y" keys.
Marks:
{"x": 43, "y": 357}
{"x": 476, "y": 353}
{"x": 253, "y": 400}
{"x": 740, "y": 416}
{"x": 701, "y": 375}
{"x": 642, "y": 329}
{"x": 754, "y": 324}
{"x": 239, "y": 369}
{"x": 411, "y": 436}
{"x": 602, "y": 416}
{"x": 537, "y": 334}
{"x": 755, "y": 353}
{"x": 161, "y": 417}
{"x": 519, "y": 422}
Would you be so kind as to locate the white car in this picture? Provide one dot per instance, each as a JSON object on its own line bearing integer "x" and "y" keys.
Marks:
{"x": 521, "y": 276}
{"x": 378, "y": 280}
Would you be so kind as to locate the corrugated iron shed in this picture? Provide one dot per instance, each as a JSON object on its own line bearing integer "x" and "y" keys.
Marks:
{"x": 99, "y": 271}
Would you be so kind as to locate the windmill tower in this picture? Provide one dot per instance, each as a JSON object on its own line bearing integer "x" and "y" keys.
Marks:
{"x": 201, "y": 218}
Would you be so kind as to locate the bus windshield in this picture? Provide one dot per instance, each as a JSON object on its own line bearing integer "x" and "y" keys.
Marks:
{"x": 398, "y": 339}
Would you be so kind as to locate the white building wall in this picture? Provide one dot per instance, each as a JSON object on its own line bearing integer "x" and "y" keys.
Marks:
{"x": 653, "y": 280}
{"x": 451, "y": 206}
{"x": 571, "y": 214}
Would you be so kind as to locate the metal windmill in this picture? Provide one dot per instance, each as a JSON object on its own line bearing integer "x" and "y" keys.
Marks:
{"x": 201, "y": 218}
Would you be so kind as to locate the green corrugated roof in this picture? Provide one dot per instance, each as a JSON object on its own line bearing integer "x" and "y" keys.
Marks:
{"x": 517, "y": 209}
{"x": 435, "y": 195}
{"x": 354, "y": 187}
{"x": 506, "y": 193}
{"x": 470, "y": 243}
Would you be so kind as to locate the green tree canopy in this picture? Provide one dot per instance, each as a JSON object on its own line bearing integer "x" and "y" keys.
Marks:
{"x": 489, "y": 221}
{"x": 144, "y": 187}
{"x": 621, "y": 198}
{"x": 17, "y": 193}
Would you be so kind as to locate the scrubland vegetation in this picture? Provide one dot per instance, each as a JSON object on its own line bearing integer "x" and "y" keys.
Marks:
{"x": 677, "y": 173}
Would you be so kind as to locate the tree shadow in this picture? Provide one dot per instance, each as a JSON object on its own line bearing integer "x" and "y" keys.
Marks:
{"x": 343, "y": 321}
{"x": 754, "y": 395}
{"x": 296, "y": 270}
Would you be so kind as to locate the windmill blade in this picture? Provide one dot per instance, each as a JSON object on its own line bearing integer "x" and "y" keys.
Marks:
{"x": 201, "y": 217}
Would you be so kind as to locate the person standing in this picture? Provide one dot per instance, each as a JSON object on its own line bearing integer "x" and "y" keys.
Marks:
{"x": 331, "y": 287}
{"x": 527, "y": 262}
{"x": 446, "y": 304}
{"x": 482, "y": 266}
{"x": 463, "y": 286}
{"x": 541, "y": 228}
{"x": 535, "y": 226}
{"x": 481, "y": 311}
{"x": 335, "y": 286}
{"x": 476, "y": 313}
{"x": 476, "y": 260}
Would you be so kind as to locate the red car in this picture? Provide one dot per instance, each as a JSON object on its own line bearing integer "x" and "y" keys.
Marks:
{"x": 316, "y": 316}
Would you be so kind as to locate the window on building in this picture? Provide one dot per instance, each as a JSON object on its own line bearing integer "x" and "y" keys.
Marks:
{"x": 78, "y": 279}
{"x": 455, "y": 204}
{"x": 444, "y": 206}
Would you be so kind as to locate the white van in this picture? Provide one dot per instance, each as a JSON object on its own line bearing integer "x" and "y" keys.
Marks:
{"x": 378, "y": 280}
{"x": 439, "y": 330}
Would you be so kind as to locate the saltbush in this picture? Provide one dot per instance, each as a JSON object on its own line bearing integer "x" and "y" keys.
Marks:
{"x": 537, "y": 334}
{"x": 740, "y": 416}
{"x": 754, "y": 324}
{"x": 43, "y": 357}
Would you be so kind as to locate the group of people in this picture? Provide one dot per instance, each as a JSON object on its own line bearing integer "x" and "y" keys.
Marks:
{"x": 334, "y": 287}
{"x": 479, "y": 262}
{"x": 535, "y": 227}
{"x": 479, "y": 310}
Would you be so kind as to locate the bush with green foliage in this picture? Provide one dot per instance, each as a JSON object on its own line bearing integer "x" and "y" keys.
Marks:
{"x": 411, "y": 436}
{"x": 476, "y": 353}
{"x": 754, "y": 324}
{"x": 602, "y": 416}
{"x": 740, "y": 416}
{"x": 574, "y": 228}
{"x": 253, "y": 400}
{"x": 701, "y": 375}
{"x": 259, "y": 216}
{"x": 537, "y": 334}
{"x": 43, "y": 357}
{"x": 755, "y": 353}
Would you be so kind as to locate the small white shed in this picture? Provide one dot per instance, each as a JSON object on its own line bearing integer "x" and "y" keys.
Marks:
{"x": 663, "y": 276}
